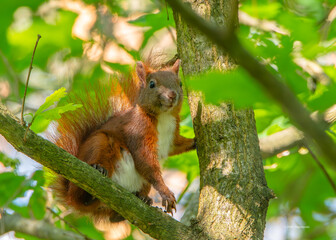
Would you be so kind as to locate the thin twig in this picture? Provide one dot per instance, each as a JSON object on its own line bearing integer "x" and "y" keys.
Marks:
{"x": 29, "y": 71}
{"x": 170, "y": 31}
{"x": 25, "y": 135}
{"x": 322, "y": 167}
{"x": 69, "y": 224}
{"x": 167, "y": 11}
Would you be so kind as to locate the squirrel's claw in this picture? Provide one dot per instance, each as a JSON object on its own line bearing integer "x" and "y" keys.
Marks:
{"x": 102, "y": 170}
{"x": 145, "y": 199}
{"x": 169, "y": 202}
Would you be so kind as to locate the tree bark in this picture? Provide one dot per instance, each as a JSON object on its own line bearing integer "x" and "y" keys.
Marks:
{"x": 233, "y": 190}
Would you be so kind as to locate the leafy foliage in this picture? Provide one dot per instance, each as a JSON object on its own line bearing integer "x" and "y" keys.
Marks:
{"x": 235, "y": 86}
{"x": 42, "y": 117}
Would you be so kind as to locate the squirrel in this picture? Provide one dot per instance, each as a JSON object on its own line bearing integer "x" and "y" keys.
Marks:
{"x": 123, "y": 132}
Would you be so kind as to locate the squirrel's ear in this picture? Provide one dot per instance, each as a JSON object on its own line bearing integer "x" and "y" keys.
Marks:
{"x": 141, "y": 72}
{"x": 176, "y": 66}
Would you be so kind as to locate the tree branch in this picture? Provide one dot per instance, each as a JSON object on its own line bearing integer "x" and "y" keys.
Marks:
{"x": 289, "y": 138}
{"x": 265, "y": 25}
{"x": 280, "y": 141}
{"x": 40, "y": 229}
{"x": 326, "y": 25}
{"x": 274, "y": 85}
{"x": 149, "y": 219}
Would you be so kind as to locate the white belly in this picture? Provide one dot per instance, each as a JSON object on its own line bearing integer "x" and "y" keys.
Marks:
{"x": 126, "y": 175}
{"x": 166, "y": 130}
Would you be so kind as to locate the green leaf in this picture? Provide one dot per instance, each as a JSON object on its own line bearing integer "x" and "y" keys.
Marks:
{"x": 39, "y": 178}
{"x": 186, "y": 162}
{"x": 154, "y": 22}
{"x": 22, "y": 210}
{"x": 40, "y": 124}
{"x": 43, "y": 120}
{"x": 43, "y": 116}
{"x": 323, "y": 98}
{"x": 302, "y": 29}
{"x": 52, "y": 99}
{"x": 9, "y": 162}
{"x": 9, "y": 185}
{"x": 37, "y": 203}
{"x": 236, "y": 86}
{"x": 264, "y": 117}
{"x": 267, "y": 10}
{"x": 187, "y": 131}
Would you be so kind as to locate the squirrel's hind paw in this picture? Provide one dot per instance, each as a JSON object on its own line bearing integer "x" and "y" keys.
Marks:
{"x": 145, "y": 199}
{"x": 102, "y": 170}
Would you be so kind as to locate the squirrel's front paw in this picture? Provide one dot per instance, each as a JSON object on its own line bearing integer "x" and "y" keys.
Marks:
{"x": 102, "y": 170}
{"x": 169, "y": 202}
{"x": 145, "y": 199}
{"x": 194, "y": 146}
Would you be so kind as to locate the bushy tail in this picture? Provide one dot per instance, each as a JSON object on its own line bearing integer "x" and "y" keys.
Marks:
{"x": 99, "y": 102}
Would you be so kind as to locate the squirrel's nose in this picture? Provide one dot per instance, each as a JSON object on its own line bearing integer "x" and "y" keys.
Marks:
{"x": 172, "y": 95}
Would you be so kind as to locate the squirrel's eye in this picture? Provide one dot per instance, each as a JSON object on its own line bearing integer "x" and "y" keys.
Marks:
{"x": 181, "y": 84}
{"x": 151, "y": 84}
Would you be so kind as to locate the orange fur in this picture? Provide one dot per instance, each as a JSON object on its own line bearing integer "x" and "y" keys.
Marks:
{"x": 115, "y": 125}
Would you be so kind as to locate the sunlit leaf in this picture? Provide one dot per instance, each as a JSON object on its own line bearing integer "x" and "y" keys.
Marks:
{"x": 9, "y": 162}
{"x": 236, "y": 86}
{"x": 9, "y": 186}
{"x": 266, "y": 10}
{"x": 187, "y": 163}
{"x": 52, "y": 99}
{"x": 324, "y": 98}
{"x": 37, "y": 203}
{"x": 44, "y": 116}
{"x": 154, "y": 22}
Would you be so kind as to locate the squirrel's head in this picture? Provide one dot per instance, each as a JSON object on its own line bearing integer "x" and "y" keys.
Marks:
{"x": 160, "y": 91}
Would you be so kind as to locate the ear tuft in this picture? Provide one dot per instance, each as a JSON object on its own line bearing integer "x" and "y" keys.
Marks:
{"x": 141, "y": 72}
{"x": 176, "y": 66}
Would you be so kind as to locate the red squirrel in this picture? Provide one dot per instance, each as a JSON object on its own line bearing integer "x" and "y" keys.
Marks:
{"x": 143, "y": 128}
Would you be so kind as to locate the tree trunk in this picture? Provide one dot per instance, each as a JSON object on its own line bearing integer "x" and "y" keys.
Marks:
{"x": 233, "y": 190}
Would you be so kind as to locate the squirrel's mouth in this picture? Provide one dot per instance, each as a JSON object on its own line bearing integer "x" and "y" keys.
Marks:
{"x": 167, "y": 105}
{"x": 168, "y": 101}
